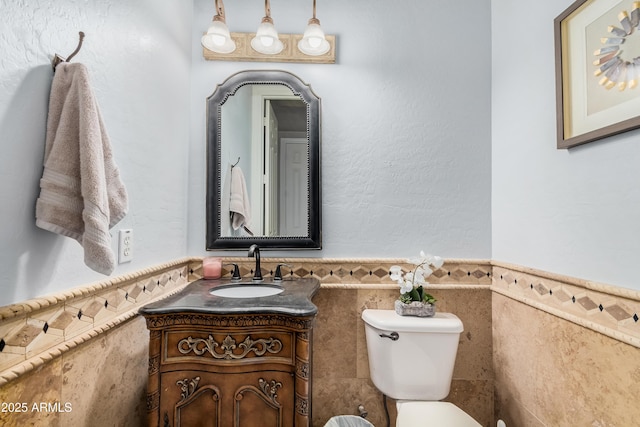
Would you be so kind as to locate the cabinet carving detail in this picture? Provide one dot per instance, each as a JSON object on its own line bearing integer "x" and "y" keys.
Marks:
{"x": 270, "y": 389}
{"x": 253, "y": 320}
{"x": 154, "y": 364}
{"x": 153, "y": 400}
{"x": 302, "y": 369}
{"x": 302, "y": 405}
{"x": 188, "y": 387}
{"x": 200, "y": 346}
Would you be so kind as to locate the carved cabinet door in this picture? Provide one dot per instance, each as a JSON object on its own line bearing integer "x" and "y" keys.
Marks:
{"x": 204, "y": 399}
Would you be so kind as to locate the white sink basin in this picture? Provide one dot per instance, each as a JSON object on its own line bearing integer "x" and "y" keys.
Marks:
{"x": 246, "y": 291}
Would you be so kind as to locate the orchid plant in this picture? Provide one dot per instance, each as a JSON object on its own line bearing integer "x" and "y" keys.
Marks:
{"x": 412, "y": 283}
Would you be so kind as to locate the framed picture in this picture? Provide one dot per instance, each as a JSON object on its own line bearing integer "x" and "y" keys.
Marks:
{"x": 597, "y": 44}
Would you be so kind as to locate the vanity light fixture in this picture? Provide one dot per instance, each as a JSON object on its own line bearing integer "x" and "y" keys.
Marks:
{"x": 266, "y": 40}
{"x": 314, "y": 42}
{"x": 267, "y": 45}
{"x": 218, "y": 39}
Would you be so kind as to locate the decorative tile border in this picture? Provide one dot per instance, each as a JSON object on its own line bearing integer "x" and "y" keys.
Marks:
{"x": 360, "y": 271}
{"x": 38, "y": 330}
{"x": 35, "y": 331}
{"x": 609, "y": 310}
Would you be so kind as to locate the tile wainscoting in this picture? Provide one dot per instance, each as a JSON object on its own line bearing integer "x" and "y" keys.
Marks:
{"x": 79, "y": 358}
{"x": 566, "y": 351}
{"x": 340, "y": 363}
{"x": 50, "y": 345}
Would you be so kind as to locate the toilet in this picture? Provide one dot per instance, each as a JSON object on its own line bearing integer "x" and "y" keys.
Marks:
{"x": 411, "y": 360}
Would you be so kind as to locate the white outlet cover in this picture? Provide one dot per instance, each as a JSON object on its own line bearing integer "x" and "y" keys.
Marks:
{"x": 125, "y": 246}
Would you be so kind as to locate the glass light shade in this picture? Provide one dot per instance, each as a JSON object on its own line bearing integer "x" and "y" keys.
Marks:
{"x": 266, "y": 40}
{"x": 314, "y": 42}
{"x": 218, "y": 39}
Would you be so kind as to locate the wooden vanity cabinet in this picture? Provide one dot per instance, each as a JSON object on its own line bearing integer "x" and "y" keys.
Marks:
{"x": 244, "y": 370}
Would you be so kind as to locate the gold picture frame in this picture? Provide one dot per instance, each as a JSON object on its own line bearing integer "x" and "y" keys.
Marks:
{"x": 597, "y": 79}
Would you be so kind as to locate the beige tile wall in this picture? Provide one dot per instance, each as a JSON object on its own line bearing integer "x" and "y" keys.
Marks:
{"x": 340, "y": 364}
{"x": 99, "y": 383}
{"x": 565, "y": 350}
{"x": 340, "y": 367}
{"x": 80, "y": 358}
{"x": 549, "y": 350}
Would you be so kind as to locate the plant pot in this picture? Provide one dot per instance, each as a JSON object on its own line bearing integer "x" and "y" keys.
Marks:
{"x": 415, "y": 308}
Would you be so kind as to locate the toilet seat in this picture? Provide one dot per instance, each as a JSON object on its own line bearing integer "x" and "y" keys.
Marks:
{"x": 436, "y": 414}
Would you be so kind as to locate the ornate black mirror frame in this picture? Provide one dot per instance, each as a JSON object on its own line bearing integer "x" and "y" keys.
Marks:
{"x": 214, "y": 238}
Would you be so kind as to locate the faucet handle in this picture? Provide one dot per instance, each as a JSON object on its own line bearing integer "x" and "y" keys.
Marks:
{"x": 236, "y": 271}
{"x": 278, "y": 275}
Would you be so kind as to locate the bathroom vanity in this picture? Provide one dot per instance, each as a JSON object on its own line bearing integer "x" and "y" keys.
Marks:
{"x": 231, "y": 361}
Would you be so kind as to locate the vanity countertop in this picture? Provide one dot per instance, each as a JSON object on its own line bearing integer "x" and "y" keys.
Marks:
{"x": 295, "y": 300}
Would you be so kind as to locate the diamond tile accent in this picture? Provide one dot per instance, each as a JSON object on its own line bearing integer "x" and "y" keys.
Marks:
{"x": 21, "y": 339}
{"x": 359, "y": 273}
{"x": 134, "y": 293}
{"x": 617, "y": 312}
{"x": 150, "y": 285}
{"x": 440, "y": 273}
{"x": 60, "y": 323}
{"x": 587, "y": 304}
{"x": 301, "y": 272}
{"x": 541, "y": 289}
{"x": 381, "y": 273}
{"x": 91, "y": 309}
{"x": 562, "y": 296}
{"x": 479, "y": 274}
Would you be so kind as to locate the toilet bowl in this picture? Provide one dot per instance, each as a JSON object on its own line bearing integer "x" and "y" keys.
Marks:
{"x": 411, "y": 359}
{"x": 432, "y": 414}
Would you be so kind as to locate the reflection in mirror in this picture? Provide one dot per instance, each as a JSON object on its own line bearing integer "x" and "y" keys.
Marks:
{"x": 269, "y": 145}
{"x": 263, "y": 163}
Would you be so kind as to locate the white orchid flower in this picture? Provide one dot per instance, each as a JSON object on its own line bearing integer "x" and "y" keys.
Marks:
{"x": 417, "y": 260}
{"x": 406, "y": 287}
{"x": 411, "y": 279}
{"x": 422, "y": 273}
{"x": 396, "y": 273}
{"x": 437, "y": 262}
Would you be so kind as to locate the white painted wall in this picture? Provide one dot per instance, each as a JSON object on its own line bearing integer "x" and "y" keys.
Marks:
{"x": 572, "y": 212}
{"x": 138, "y": 56}
{"x": 405, "y": 123}
{"x": 406, "y": 126}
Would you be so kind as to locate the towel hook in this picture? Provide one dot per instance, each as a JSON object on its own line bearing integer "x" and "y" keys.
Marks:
{"x": 58, "y": 59}
{"x": 235, "y": 164}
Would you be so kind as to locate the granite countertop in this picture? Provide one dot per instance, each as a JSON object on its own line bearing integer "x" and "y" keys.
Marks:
{"x": 295, "y": 300}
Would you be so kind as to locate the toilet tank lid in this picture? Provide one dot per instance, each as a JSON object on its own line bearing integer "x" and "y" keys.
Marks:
{"x": 389, "y": 320}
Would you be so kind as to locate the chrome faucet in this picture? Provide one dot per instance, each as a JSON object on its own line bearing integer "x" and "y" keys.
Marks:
{"x": 254, "y": 251}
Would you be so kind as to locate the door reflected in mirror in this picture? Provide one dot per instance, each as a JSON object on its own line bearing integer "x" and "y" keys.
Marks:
{"x": 263, "y": 173}
{"x": 264, "y": 134}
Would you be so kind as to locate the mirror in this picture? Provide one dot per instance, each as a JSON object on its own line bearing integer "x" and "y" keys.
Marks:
{"x": 263, "y": 163}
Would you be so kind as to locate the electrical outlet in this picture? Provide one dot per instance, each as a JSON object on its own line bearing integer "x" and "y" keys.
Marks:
{"x": 125, "y": 246}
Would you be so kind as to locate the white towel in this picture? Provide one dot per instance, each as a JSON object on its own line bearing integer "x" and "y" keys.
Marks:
{"x": 81, "y": 194}
{"x": 239, "y": 205}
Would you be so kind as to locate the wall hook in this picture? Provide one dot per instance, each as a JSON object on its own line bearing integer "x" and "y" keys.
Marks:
{"x": 58, "y": 59}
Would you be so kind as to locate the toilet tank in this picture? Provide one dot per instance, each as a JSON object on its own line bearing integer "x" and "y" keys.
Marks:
{"x": 419, "y": 364}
